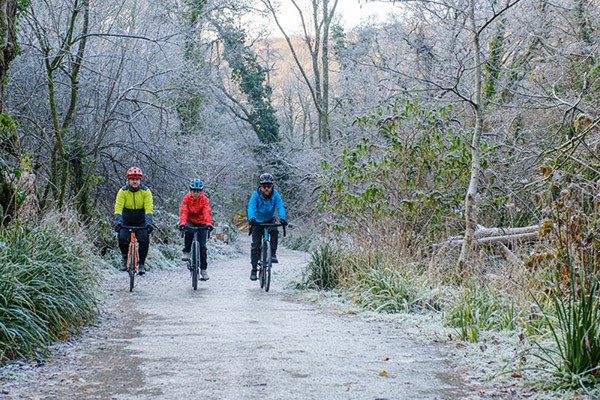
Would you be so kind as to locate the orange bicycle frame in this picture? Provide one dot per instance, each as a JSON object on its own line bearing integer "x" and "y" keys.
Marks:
{"x": 133, "y": 248}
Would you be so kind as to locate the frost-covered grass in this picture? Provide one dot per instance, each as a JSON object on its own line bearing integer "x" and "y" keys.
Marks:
{"x": 390, "y": 290}
{"x": 573, "y": 330}
{"x": 323, "y": 270}
{"x": 48, "y": 279}
{"x": 373, "y": 281}
{"x": 510, "y": 324}
{"x": 299, "y": 242}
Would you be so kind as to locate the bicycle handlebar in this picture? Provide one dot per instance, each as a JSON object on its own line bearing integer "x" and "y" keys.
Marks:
{"x": 268, "y": 225}
{"x": 134, "y": 227}
{"x": 196, "y": 229}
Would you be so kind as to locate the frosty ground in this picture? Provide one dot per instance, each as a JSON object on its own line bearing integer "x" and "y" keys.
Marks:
{"x": 231, "y": 340}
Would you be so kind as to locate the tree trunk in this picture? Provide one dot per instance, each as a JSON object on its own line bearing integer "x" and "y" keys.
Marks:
{"x": 469, "y": 242}
{"x": 327, "y": 15}
{"x": 59, "y": 166}
{"x": 8, "y": 42}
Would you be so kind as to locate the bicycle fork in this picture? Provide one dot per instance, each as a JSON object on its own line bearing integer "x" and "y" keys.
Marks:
{"x": 134, "y": 254}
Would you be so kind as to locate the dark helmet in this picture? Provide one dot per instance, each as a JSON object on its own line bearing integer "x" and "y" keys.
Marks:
{"x": 196, "y": 184}
{"x": 267, "y": 178}
{"x": 134, "y": 172}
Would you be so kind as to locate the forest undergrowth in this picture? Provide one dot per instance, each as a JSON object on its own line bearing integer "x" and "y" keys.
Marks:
{"x": 392, "y": 206}
{"x": 545, "y": 308}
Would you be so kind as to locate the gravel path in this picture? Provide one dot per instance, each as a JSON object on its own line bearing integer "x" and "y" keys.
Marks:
{"x": 231, "y": 340}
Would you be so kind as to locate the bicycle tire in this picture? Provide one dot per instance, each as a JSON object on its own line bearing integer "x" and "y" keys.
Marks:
{"x": 267, "y": 266}
{"x": 194, "y": 259}
{"x": 131, "y": 267}
{"x": 263, "y": 263}
{"x": 261, "y": 276}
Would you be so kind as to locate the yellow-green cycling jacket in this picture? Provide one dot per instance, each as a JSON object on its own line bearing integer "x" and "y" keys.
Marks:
{"x": 134, "y": 208}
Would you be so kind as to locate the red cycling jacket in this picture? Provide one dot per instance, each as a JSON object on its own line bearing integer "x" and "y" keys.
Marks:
{"x": 196, "y": 211}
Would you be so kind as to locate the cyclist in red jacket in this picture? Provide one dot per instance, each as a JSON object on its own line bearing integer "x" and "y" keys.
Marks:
{"x": 195, "y": 212}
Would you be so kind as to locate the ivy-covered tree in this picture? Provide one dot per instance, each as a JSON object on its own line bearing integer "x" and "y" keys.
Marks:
{"x": 8, "y": 40}
{"x": 190, "y": 99}
{"x": 251, "y": 77}
{"x": 9, "y": 11}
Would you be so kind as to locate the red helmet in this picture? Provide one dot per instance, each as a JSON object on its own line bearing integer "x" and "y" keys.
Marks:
{"x": 134, "y": 172}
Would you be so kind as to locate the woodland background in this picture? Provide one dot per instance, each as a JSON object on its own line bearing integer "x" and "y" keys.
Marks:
{"x": 445, "y": 158}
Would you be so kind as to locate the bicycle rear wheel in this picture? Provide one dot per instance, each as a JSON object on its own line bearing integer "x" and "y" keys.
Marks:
{"x": 195, "y": 259}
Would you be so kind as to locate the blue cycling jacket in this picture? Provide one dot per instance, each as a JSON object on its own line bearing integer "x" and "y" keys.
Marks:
{"x": 262, "y": 209}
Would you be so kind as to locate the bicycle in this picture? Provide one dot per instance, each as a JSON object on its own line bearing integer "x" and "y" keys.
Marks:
{"x": 133, "y": 259}
{"x": 194, "y": 260}
{"x": 265, "y": 263}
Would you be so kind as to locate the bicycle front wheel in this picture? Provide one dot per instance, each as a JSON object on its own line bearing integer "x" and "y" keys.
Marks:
{"x": 261, "y": 266}
{"x": 131, "y": 267}
{"x": 260, "y": 274}
{"x": 195, "y": 260}
{"x": 268, "y": 265}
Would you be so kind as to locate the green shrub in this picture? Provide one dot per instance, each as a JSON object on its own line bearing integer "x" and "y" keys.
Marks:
{"x": 400, "y": 187}
{"x": 47, "y": 288}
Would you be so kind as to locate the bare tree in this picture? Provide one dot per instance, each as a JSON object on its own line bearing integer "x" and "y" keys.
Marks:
{"x": 69, "y": 61}
{"x": 103, "y": 86}
{"x": 316, "y": 26}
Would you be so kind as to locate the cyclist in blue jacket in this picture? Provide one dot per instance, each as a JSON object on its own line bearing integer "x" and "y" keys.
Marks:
{"x": 261, "y": 209}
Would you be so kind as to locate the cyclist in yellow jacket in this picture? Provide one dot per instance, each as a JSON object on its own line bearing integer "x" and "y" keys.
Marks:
{"x": 134, "y": 207}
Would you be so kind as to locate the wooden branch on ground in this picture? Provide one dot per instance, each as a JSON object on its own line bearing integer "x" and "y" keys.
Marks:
{"x": 486, "y": 232}
{"x": 506, "y": 239}
{"x": 507, "y": 254}
{"x": 498, "y": 238}
{"x": 497, "y": 235}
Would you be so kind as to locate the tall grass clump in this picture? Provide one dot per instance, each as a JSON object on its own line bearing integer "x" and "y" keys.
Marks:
{"x": 574, "y": 327}
{"x": 324, "y": 268}
{"x": 472, "y": 312}
{"x": 479, "y": 308}
{"x": 391, "y": 289}
{"x": 47, "y": 288}
{"x": 374, "y": 281}
{"x": 571, "y": 347}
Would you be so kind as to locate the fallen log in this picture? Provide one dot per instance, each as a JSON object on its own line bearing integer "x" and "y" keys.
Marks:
{"x": 504, "y": 239}
{"x": 486, "y": 232}
{"x": 507, "y": 239}
{"x": 482, "y": 232}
